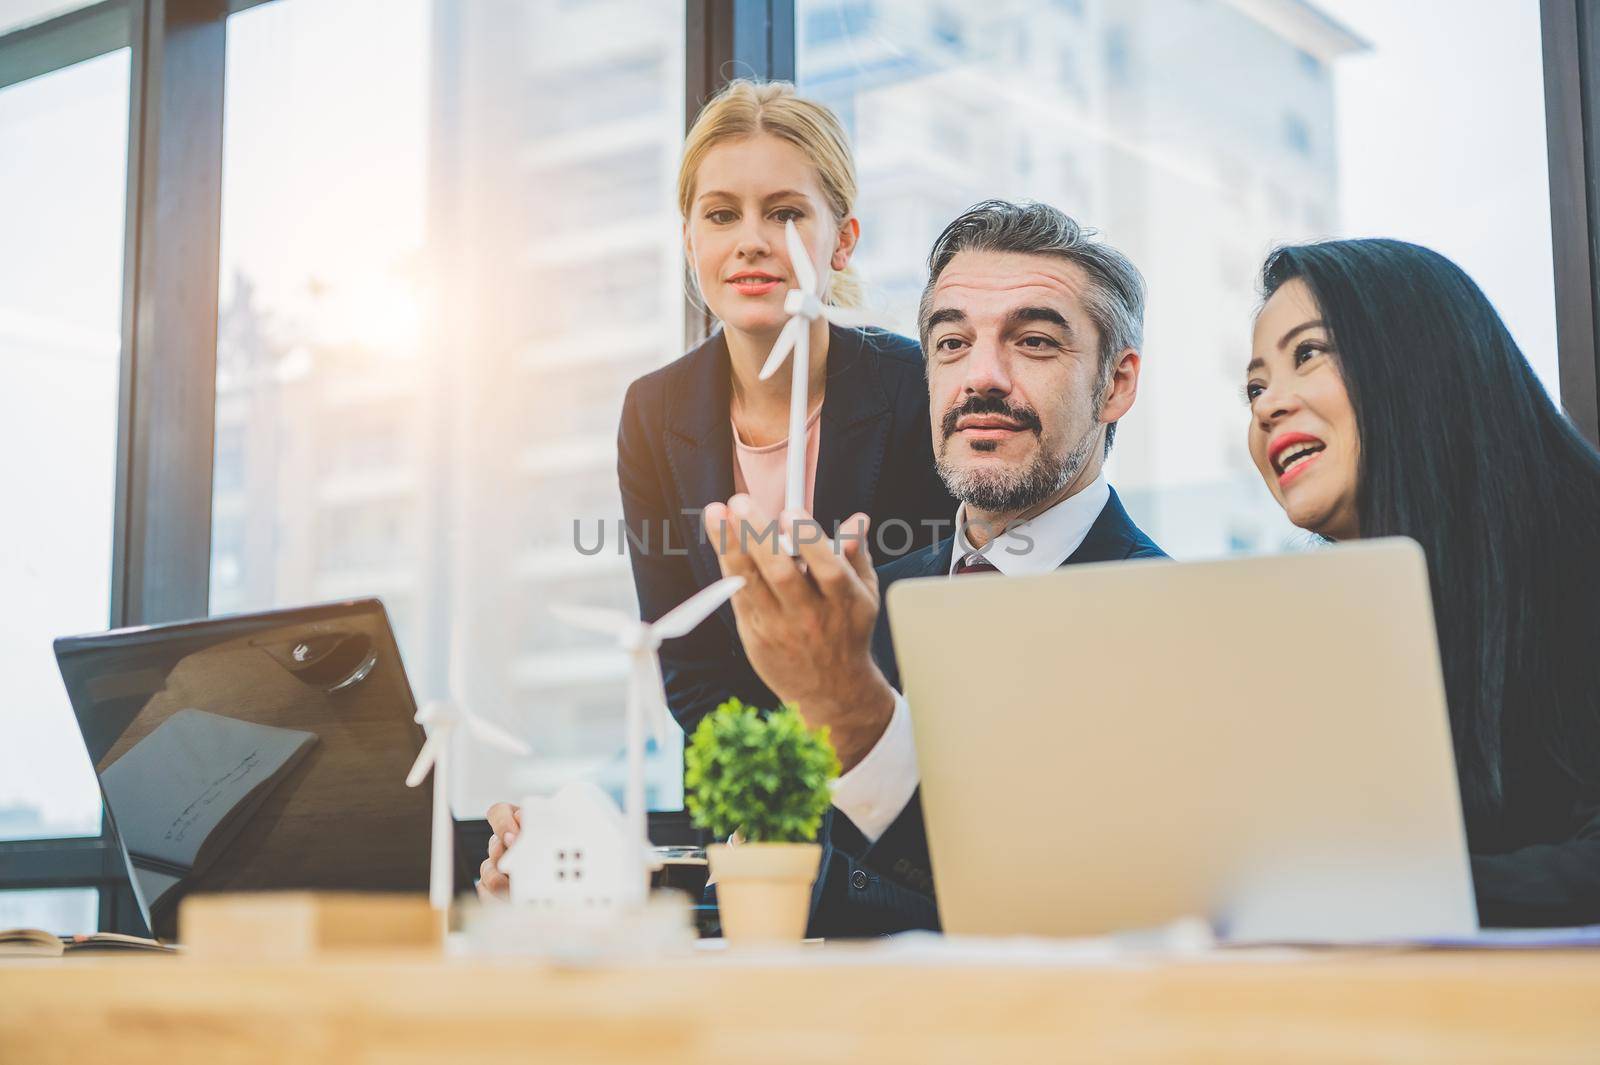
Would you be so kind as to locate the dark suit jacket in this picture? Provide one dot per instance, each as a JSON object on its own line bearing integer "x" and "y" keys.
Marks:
{"x": 675, "y": 455}
{"x": 873, "y": 889}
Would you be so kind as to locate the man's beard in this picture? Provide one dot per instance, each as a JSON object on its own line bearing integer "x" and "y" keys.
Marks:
{"x": 1013, "y": 490}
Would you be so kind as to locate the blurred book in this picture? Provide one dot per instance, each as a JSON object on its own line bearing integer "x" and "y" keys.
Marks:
{"x": 23, "y": 942}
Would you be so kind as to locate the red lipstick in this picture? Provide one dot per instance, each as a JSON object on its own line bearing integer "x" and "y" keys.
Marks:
{"x": 1291, "y": 453}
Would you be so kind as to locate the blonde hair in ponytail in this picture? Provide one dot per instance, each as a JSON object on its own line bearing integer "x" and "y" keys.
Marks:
{"x": 745, "y": 108}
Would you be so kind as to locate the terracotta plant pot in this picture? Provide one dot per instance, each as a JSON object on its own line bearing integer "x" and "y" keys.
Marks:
{"x": 764, "y": 889}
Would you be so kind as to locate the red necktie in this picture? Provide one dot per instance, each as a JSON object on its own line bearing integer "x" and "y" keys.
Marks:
{"x": 975, "y": 564}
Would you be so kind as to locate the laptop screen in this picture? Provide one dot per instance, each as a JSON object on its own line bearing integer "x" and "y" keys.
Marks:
{"x": 255, "y": 752}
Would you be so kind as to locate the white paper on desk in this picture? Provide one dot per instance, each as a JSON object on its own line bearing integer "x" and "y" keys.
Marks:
{"x": 1484, "y": 939}
{"x": 930, "y": 948}
{"x": 1520, "y": 939}
{"x": 936, "y": 949}
{"x": 1181, "y": 941}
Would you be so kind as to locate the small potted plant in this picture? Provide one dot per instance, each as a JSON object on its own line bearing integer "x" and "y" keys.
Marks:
{"x": 761, "y": 779}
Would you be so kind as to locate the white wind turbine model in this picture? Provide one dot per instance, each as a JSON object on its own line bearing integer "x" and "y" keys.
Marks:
{"x": 440, "y": 718}
{"x": 805, "y": 306}
{"x": 645, "y": 695}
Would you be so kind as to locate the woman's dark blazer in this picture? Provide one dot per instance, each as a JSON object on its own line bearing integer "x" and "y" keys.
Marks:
{"x": 675, "y": 455}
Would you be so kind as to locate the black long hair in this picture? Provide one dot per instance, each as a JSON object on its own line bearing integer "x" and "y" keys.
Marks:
{"x": 1462, "y": 450}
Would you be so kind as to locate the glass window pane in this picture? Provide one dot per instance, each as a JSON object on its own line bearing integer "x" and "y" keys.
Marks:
{"x": 64, "y": 911}
{"x": 15, "y": 14}
{"x": 1195, "y": 136}
{"x": 426, "y": 209}
{"x": 64, "y": 141}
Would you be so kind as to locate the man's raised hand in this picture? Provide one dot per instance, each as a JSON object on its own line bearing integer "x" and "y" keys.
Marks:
{"x": 806, "y": 622}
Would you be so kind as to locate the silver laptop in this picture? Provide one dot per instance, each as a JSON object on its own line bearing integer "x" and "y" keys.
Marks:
{"x": 1261, "y": 742}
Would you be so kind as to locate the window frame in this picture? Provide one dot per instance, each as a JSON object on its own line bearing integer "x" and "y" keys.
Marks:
{"x": 1570, "y": 30}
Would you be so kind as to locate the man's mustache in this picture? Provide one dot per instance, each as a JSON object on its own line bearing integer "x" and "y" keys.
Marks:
{"x": 1026, "y": 417}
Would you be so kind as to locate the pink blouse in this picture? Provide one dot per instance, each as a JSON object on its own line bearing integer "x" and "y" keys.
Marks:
{"x": 759, "y": 472}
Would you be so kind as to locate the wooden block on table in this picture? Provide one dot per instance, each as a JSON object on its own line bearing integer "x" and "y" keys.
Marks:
{"x": 289, "y": 925}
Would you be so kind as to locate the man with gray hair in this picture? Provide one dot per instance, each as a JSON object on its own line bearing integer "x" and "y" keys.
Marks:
{"x": 1031, "y": 331}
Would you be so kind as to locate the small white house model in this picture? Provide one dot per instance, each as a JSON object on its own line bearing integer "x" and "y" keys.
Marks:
{"x": 576, "y": 850}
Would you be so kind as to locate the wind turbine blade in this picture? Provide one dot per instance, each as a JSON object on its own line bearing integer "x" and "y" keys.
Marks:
{"x": 495, "y": 736}
{"x": 647, "y": 682}
{"x": 799, "y": 258}
{"x": 682, "y": 619}
{"x": 592, "y": 619}
{"x": 662, "y": 724}
{"x": 425, "y": 760}
{"x": 849, "y": 317}
{"x": 781, "y": 349}
{"x": 633, "y": 788}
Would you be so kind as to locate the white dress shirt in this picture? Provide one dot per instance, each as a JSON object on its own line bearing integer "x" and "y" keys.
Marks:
{"x": 877, "y": 788}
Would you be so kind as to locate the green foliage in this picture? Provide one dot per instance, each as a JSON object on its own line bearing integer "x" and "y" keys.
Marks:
{"x": 764, "y": 776}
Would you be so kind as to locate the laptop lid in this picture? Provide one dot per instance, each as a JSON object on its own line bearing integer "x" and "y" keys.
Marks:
{"x": 254, "y": 752}
{"x": 1261, "y": 742}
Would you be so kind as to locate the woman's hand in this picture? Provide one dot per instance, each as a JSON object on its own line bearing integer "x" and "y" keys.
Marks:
{"x": 506, "y": 821}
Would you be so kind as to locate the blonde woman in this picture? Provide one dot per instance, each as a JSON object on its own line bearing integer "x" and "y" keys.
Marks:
{"x": 703, "y": 428}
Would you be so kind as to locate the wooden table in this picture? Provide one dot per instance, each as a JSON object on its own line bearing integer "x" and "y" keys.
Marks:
{"x": 1457, "y": 1007}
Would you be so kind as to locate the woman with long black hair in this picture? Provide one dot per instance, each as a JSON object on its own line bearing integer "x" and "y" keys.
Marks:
{"x": 1388, "y": 399}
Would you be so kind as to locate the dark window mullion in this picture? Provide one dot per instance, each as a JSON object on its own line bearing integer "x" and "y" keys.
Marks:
{"x": 727, "y": 39}
{"x": 78, "y": 861}
{"x": 1571, "y": 32}
{"x": 162, "y": 557}
{"x": 75, "y": 37}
